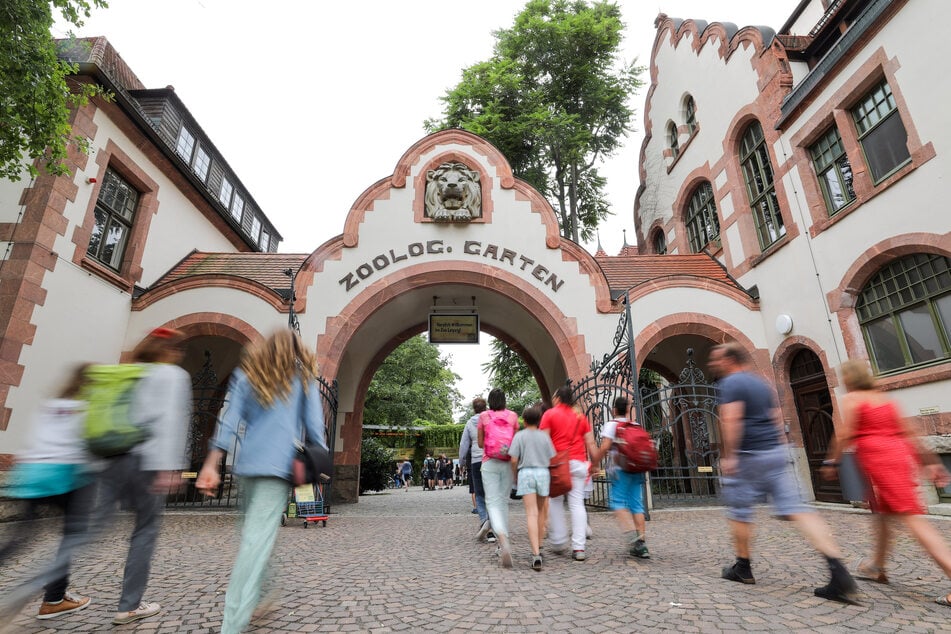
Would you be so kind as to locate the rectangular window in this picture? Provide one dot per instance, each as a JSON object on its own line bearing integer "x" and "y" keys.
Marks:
{"x": 833, "y": 170}
{"x": 185, "y": 145}
{"x": 255, "y": 228}
{"x": 226, "y": 190}
{"x": 115, "y": 210}
{"x": 201, "y": 164}
{"x": 237, "y": 206}
{"x": 265, "y": 240}
{"x": 881, "y": 132}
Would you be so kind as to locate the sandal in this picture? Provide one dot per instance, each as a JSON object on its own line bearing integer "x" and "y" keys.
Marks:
{"x": 943, "y": 600}
{"x": 871, "y": 573}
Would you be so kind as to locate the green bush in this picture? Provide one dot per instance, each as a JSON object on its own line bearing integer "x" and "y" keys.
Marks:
{"x": 376, "y": 465}
{"x": 443, "y": 435}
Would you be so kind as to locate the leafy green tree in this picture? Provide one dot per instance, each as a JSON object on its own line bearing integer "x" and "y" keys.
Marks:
{"x": 512, "y": 375}
{"x": 414, "y": 382}
{"x": 554, "y": 99}
{"x": 37, "y": 90}
{"x": 376, "y": 465}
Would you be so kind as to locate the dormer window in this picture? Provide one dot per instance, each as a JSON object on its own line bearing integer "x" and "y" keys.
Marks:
{"x": 185, "y": 145}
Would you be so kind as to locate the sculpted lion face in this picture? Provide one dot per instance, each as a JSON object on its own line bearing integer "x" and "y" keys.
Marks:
{"x": 453, "y": 193}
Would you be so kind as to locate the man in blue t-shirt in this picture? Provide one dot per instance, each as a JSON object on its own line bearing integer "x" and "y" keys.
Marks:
{"x": 754, "y": 462}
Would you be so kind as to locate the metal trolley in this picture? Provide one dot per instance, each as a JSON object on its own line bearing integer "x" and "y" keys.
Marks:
{"x": 306, "y": 504}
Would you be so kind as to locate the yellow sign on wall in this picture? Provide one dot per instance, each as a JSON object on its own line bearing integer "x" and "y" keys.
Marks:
{"x": 453, "y": 329}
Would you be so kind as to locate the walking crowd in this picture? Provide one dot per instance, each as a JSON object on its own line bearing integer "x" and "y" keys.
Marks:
{"x": 86, "y": 463}
{"x": 755, "y": 464}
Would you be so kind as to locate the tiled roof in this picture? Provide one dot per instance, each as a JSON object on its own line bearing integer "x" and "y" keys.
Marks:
{"x": 627, "y": 271}
{"x": 265, "y": 268}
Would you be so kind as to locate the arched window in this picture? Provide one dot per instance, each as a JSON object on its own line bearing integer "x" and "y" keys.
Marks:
{"x": 690, "y": 113}
{"x": 701, "y": 220}
{"x": 905, "y": 312}
{"x": 659, "y": 242}
{"x": 758, "y": 173}
{"x": 672, "y": 142}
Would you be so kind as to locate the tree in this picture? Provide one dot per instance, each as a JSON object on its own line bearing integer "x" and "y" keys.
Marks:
{"x": 553, "y": 99}
{"x": 37, "y": 91}
{"x": 413, "y": 382}
{"x": 512, "y": 375}
{"x": 376, "y": 465}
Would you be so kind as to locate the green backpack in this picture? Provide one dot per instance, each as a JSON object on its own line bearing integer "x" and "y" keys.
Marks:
{"x": 108, "y": 392}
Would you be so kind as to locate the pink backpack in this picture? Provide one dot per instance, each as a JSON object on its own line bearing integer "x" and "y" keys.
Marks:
{"x": 498, "y": 436}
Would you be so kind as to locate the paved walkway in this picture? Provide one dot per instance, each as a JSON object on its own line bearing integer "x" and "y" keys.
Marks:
{"x": 408, "y": 562}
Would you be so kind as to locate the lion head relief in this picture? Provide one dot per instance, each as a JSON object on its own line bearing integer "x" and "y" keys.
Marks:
{"x": 453, "y": 193}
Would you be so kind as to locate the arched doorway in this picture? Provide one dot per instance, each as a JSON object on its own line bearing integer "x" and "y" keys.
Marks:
{"x": 814, "y": 407}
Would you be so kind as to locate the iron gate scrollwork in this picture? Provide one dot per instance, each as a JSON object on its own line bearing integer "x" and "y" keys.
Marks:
{"x": 208, "y": 397}
{"x": 680, "y": 416}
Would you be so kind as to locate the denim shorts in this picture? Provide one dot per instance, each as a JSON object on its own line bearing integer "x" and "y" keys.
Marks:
{"x": 760, "y": 474}
{"x": 627, "y": 491}
{"x": 533, "y": 480}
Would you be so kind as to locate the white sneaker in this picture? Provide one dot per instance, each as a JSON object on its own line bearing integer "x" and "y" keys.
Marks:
{"x": 144, "y": 610}
{"x": 483, "y": 531}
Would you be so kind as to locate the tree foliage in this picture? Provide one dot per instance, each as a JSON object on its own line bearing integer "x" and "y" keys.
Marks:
{"x": 553, "y": 98}
{"x": 414, "y": 382}
{"x": 511, "y": 374}
{"x": 36, "y": 88}
{"x": 376, "y": 465}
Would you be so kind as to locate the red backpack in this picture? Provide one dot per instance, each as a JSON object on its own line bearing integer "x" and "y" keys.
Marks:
{"x": 498, "y": 436}
{"x": 636, "y": 452}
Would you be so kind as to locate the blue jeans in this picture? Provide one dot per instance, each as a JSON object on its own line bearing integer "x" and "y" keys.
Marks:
{"x": 265, "y": 500}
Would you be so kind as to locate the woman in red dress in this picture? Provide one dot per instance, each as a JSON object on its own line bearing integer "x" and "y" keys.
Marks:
{"x": 889, "y": 452}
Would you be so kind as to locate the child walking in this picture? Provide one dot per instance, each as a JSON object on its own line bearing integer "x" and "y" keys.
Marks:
{"x": 532, "y": 451}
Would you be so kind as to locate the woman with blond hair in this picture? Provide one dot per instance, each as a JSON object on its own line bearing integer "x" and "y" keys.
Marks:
{"x": 890, "y": 453}
{"x": 273, "y": 393}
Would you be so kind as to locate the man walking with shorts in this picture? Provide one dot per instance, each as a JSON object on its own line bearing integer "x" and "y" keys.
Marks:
{"x": 754, "y": 462}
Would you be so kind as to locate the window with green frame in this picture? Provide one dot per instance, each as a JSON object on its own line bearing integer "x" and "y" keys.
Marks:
{"x": 672, "y": 141}
{"x": 881, "y": 132}
{"x": 701, "y": 221}
{"x": 690, "y": 114}
{"x": 905, "y": 312}
{"x": 833, "y": 170}
{"x": 758, "y": 174}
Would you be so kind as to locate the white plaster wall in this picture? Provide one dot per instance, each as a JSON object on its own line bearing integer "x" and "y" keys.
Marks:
{"x": 719, "y": 88}
{"x": 10, "y": 194}
{"x": 390, "y": 226}
{"x": 83, "y": 319}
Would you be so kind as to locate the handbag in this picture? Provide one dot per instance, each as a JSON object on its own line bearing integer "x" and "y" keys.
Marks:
{"x": 855, "y": 486}
{"x": 312, "y": 463}
{"x": 560, "y": 474}
{"x": 560, "y": 469}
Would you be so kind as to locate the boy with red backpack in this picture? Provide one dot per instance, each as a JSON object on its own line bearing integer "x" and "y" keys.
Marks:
{"x": 631, "y": 455}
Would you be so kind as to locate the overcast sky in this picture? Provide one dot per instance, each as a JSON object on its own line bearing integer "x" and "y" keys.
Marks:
{"x": 312, "y": 101}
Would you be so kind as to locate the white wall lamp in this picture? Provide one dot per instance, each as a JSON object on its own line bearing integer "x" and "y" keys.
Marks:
{"x": 784, "y": 324}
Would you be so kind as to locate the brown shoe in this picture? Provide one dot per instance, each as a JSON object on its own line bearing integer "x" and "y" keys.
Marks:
{"x": 69, "y": 603}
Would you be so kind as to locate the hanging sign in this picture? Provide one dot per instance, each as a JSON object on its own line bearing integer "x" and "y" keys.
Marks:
{"x": 454, "y": 328}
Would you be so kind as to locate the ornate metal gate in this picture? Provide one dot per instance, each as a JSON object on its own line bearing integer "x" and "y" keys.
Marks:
{"x": 208, "y": 399}
{"x": 681, "y": 417}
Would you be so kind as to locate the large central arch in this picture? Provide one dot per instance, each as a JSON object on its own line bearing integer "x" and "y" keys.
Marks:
{"x": 369, "y": 289}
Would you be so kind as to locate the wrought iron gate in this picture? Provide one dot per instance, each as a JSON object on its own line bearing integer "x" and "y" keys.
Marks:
{"x": 681, "y": 417}
{"x": 207, "y": 400}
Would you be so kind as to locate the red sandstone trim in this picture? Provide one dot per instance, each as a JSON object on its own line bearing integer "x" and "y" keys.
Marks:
{"x": 701, "y": 283}
{"x": 571, "y": 252}
{"x": 200, "y": 282}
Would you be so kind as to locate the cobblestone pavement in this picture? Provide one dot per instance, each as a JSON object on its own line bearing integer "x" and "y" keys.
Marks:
{"x": 402, "y": 561}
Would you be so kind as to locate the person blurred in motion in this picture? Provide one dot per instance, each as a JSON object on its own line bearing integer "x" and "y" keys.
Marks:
{"x": 469, "y": 446}
{"x": 533, "y": 451}
{"x": 272, "y": 395}
{"x": 496, "y": 428}
{"x": 143, "y": 477}
{"x": 570, "y": 431}
{"x": 890, "y": 454}
{"x": 627, "y": 489}
{"x": 53, "y": 470}
{"x": 755, "y": 462}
